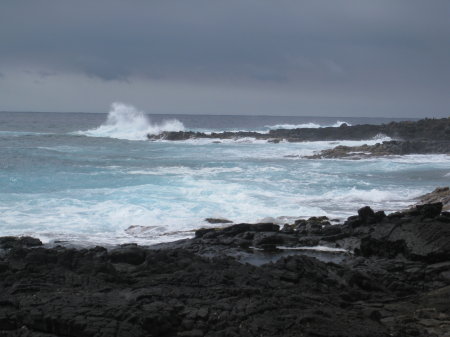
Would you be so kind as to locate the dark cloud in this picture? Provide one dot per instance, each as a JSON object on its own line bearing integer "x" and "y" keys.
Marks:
{"x": 382, "y": 48}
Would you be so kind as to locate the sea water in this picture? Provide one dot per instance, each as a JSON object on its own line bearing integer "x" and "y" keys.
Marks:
{"x": 96, "y": 179}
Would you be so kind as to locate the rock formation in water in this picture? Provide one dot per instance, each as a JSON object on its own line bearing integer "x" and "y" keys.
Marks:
{"x": 387, "y": 148}
{"x": 378, "y": 275}
{"x": 419, "y": 137}
{"x": 425, "y": 129}
{"x": 440, "y": 194}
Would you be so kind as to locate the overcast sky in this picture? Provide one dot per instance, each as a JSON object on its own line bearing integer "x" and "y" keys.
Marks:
{"x": 283, "y": 57}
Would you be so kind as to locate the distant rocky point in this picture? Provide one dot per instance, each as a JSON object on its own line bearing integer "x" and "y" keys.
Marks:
{"x": 425, "y": 136}
{"x": 387, "y": 148}
{"x": 424, "y": 129}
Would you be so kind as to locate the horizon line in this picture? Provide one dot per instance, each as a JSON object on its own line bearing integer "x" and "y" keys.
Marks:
{"x": 202, "y": 114}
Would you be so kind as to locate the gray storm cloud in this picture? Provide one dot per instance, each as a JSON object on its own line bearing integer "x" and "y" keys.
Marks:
{"x": 350, "y": 57}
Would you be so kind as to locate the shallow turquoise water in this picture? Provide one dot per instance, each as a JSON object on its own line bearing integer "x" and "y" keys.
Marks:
{"x": 70, "y": 177}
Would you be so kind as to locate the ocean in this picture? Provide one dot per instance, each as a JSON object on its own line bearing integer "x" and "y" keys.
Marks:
{"x": 89, "y": 179}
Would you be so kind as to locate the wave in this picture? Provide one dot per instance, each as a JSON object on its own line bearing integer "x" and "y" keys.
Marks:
{"x": 284, "y": 150}
{"x": 305, "y": 126}
{"x": 343, "y": 202}
{"x": 186, "y": 171}
{"x": 126, "y": 122}
{"x": 267, "y": 128}
{"x": 424, "y": 159}
{"x": 22, "y": 133}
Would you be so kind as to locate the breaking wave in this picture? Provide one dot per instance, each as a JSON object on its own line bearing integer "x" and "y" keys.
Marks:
{"x": 126, "y": 122}
{"x": 305, "y": 126}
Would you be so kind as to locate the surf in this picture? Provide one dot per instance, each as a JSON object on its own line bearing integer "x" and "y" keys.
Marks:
{"x": 124, "y": 121}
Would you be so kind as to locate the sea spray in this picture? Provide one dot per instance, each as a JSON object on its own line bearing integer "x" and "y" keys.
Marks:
{"x": 126, "y": 122}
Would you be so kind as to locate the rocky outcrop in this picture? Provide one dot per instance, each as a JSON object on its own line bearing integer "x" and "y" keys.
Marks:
{"x": 420, "y": 234}
{"x": 392, "y": 278}
{"x": 386, "y": 148}
{"x": 440, "y": 194}
{"x": 420, "y": 137}
{"x": 217, "y": 220}
{"x": 425, "y": 129}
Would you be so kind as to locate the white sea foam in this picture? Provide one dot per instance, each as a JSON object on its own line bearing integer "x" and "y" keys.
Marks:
{"x": 304, "y": 126}
{"x": 415, "y": 159}
{"x": 305, "y": 148}
{"x": 250, "y": 148}
{"x": 344, "y": 202}
{"x": 167, "y": 211}
{"x": 172, "y": 210}
{"x": 186, "y": 171}
{"x": 266, "y": 129}
{"x": 126, "y": 122}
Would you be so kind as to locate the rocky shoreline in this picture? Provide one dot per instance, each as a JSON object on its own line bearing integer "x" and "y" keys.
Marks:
{"x": 373, "y": 275}
{"x": 424, "y": 129}
{"x": 387, "y": 148}
{"x": 425, "y": 136}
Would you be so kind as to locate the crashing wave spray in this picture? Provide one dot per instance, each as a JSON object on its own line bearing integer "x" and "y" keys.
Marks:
{"x": 126, "y": 122}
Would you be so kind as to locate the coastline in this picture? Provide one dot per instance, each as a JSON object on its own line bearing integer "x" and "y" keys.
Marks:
{"x": 224, "y": 169}
{"x": 374, "y": 275}
{"x": 425, "y": 136}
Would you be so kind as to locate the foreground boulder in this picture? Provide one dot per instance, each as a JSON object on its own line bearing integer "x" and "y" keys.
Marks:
{"x": 440, "y": 194}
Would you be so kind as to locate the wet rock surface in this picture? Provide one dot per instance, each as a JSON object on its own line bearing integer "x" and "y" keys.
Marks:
{"x": 392, "y": 279}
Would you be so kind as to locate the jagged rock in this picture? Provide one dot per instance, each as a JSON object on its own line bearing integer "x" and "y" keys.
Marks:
{"x": 396, "y": 284}
{"x": 130, "y": 254}
{"x": 313, "y": 225}
{"x": 440, "y": 194}
{"x": 237, "y": 229}
{"x": 365, "y": 213}
{"x": 202, "y": 231}
{"x": 425, "y": 129}
{"x": 366, "y": 216}
{"x": 386, "y": 148}
{"x": 430, "y": 210}
{"x": 418, "y": 236}
{"x": 264, "y": 239}
{"x": 217, "y": 220}
{"x": 354, "y": 221}
{"x": 8, "y": 242}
